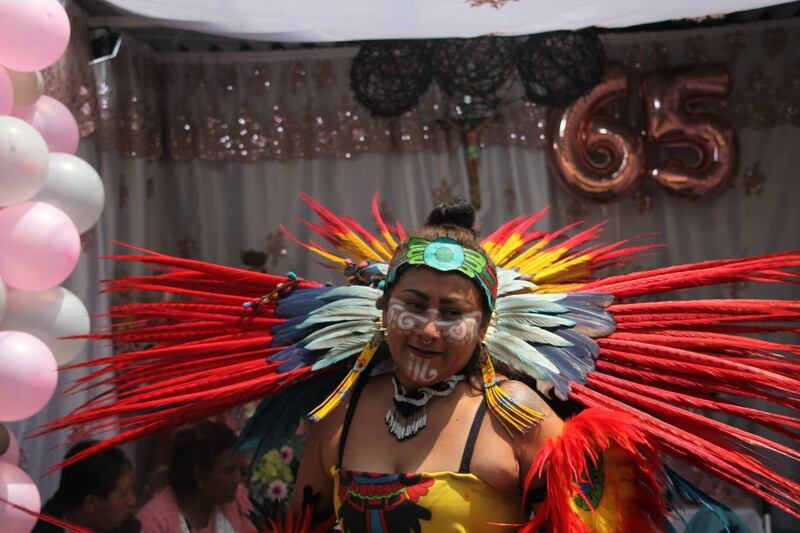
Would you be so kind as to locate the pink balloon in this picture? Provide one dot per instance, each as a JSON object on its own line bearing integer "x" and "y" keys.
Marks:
{"x": 54, "y": 121}
{"x": 33, "y": 33}
{"x": 18, "y": 488}
{"x": 40, "y": 246}
{"x": 28, "y": 375}
{"x": 11, "y": 455}
{"x": 6, "y": 93}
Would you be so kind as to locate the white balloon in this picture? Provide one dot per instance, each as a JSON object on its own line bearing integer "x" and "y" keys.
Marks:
{"x": 49, "y": 315}
{"x": 18, "y": 488}
{"x": 23, "y": 161}
{"x": 75, "y": 187}
{"x": 2, "y": 299}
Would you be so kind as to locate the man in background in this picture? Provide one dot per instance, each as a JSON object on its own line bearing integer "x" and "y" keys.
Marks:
{"x": 95, "y": 493}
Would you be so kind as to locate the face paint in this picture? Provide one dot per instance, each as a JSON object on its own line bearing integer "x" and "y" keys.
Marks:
{"x": 460, "y": 330}
{"x": 400, "y": 318}
{"x": 420, "y": 370}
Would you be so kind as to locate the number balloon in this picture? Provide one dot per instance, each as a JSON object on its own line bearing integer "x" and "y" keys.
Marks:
{"x": 596, "y": 156}
{"x": 672, "y": 124}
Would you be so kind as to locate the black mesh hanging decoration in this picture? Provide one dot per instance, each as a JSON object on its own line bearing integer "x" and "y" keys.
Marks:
{"x": 389, "y": 77}
{"x": 475, "y": 73}
{"x": 557, "y": 68}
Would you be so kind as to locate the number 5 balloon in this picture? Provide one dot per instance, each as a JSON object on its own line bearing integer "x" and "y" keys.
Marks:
{"x": 672, "y": 124}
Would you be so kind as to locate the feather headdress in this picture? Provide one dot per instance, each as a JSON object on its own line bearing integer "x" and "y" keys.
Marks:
{"x": 669, "y": 366}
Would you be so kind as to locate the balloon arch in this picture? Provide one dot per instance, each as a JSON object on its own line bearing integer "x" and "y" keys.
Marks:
{"x": 48, "y": 197}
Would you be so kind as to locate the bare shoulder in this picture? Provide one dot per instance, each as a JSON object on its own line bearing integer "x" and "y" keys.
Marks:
{"x": 524, "y": 395}
{"x": 550, "y": 426}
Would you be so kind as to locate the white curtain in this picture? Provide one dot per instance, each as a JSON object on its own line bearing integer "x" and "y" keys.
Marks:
{"x": 351, "y": 20}
{"x": 213, "y": 210}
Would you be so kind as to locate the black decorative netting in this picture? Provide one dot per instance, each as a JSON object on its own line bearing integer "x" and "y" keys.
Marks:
{"x": 558, "y": 68}
{"x": 475, "y": 73}
{"x": 389, "y": 77}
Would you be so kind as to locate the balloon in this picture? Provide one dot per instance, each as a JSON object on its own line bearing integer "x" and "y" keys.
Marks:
{"x": 18, "y": 488}
{"x": 28, "y": 87}
{"x": 6, "y": 92}
{"x": 671, "y": 124}
{"x": 33, "y": 33}
{"x": 54, "y": 121}
{"x": 2, "y": 299}
{"x": 74, "y": 186}
{"x": 23, "y": 161}
{"x": 40, "y": 246}
{"x": 595, "y": 156}
{"x": 28, "y": 375}
{"x": 49, "y": 315}
{"x": 9, "y": 446}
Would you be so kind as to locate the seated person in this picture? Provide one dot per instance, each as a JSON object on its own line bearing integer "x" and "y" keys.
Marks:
{"x": 204, "y": 493}
{"x": 95, "y": 493}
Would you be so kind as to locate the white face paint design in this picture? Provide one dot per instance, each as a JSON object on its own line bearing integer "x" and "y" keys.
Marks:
{"x": 420, "y": 370}
{"x": 408, "y": 320}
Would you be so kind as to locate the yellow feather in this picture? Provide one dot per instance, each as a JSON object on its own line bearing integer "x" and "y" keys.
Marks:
{"x": 544, "y": 259}
{"x": 334, "y": 398}
{"x": 511, "y": 245}
{"x": 526, "y": 255}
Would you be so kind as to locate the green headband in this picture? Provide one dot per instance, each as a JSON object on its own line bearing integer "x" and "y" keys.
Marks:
{"x": 445, "y": 254}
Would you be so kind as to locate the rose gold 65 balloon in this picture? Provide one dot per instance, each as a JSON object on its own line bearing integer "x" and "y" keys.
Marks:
{"x": 672, "y": 124}
{"x": 596, "y": 156}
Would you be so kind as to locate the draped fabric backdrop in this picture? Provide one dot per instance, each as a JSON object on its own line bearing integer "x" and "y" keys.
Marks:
{"x": 203, "y": 155}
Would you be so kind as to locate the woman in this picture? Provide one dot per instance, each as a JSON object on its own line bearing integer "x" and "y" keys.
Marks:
{"x": 402, "y": 443}
{"x": 204, "y": 494}
{"x": 465, "y": 469}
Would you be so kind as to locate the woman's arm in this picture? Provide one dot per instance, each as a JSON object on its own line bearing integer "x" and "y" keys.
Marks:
{"x": 526, "y": 446}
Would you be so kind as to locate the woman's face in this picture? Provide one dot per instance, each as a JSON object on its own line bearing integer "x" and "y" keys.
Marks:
{"x": 434, "y": 322}
{"x": 221, "y": 481}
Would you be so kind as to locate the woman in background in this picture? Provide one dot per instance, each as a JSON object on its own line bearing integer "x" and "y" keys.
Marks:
{"x": 205, "y": 494}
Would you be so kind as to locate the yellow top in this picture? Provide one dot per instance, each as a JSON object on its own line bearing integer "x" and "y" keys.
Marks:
{"x": 437, "y": 502}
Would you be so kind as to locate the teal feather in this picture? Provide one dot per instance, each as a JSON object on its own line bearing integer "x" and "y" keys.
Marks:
{"x": 347, "y": 348}
{"x": 352, "y": 291}
{"x": 520, "y": 355}
{"x": 538, "y": 319}
{"x": 542, "y": 303}
{"x": 349, "y": 314}
{"x": 532, "y": 333}
{"x": 332, "y": 336}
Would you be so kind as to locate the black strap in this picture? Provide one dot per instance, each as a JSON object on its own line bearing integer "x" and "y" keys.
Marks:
{"x": 472, "y": 438}
{"x": 351, "y": 409}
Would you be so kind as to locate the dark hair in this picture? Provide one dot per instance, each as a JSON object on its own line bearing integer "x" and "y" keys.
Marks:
{"x": 198, "y": 445}
{"x": 454, "y": 219}
{"x": 96, "y": 475}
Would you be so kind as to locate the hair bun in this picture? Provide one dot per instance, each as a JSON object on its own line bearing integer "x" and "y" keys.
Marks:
{"x": 458, "y": 212}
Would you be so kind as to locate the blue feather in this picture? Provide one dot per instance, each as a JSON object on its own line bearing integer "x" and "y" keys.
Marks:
{"x": 276, "y": 417}
{"x": 595, "y": 299}
{"x": 300, "y": 302}
{"x": 582, "y": 345}
{"x": 591, "y": 320}
{"x": 680, "y": 490}
{"x": 287, "y": 332}
{"x": 294, "y": 357}
{"x": 569, "y": 364}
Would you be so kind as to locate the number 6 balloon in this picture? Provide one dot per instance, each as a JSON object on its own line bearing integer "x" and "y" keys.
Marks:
{"x": 595, "y": 156}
